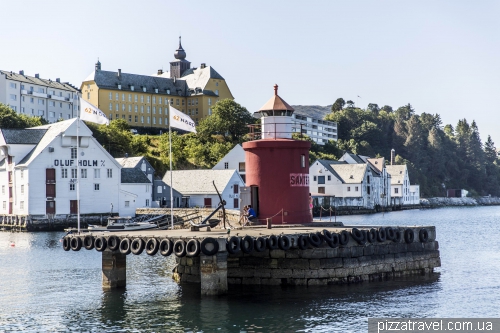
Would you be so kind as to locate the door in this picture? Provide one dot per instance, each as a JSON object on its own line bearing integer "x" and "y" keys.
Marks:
{"x": 50, "y": 207}
{"x": 255, "y": 198}
{"x": 207, "y": 202}
{"x": 73, "y": 207}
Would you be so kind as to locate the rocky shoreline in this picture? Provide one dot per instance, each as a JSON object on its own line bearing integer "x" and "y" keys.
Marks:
{"x": 467, "y": 201}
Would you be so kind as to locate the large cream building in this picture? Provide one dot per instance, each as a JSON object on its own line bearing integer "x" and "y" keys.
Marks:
{"x": 142, "y": 100}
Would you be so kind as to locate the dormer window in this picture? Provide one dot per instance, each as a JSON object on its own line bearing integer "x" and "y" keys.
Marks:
{"x": 168, "y": 91}
{"x": 132, "y": 88}
{"x": 120, "y": 86}
{"x": 156, "y": 90}
{"x": 144, "y": 89}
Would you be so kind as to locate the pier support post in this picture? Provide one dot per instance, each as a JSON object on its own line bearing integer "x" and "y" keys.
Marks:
{"x": 213, "y": 271}
{"x": 114, "y": 269}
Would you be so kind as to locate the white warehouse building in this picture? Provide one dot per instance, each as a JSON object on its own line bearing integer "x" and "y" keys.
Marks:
{"x": 38, "y": 173}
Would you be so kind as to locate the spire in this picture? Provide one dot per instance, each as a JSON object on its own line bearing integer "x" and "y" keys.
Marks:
{"x": 180, "y": 53}
{"x": 98, "y": 65}
{"x": 275, "y": 90}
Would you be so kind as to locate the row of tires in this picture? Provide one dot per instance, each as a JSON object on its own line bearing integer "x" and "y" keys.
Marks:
{"x": 247, "y": 244}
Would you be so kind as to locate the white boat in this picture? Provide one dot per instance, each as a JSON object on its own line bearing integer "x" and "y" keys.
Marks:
{"x": 123, "y": 224}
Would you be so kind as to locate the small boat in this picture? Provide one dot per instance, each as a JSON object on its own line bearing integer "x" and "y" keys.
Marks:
{"x": 123, "y": 224}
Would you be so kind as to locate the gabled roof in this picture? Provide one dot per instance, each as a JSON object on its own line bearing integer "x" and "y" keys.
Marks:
{"x": 356, "y": 158}
{"x": 110, "y": 80}
{"x": 328, "y": 165}
{"x": 41, "y": 82}
{"x": 377, "y": 163}
{"x": 397, "y": 173}
{"x": 350, "y": 173}
{"x": 160, "y": 182}
{"x": 28, "y": 136}
{"x": 200, "y": 181}
{"x": 129, "y": 162}
{"x": 133, "y": 176}
{"x": 199, "y": 77}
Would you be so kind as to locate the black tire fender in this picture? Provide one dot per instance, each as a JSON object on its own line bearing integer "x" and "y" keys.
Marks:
{"x": 259, "y": 244}
{"x": 335, "y": 241}
{"x": 166, "y": 247}
{"x": 214, "y": 250}
{"x": 423, "y": 235}
{"x": 359, "y": 236}
{"x": 193, "y": 248}
{"x": 409, "y": 236}
{"x": 137, "y": 246}
{"x": 125, "y": 246}
{"x": 75, "y": 243}
{"x": 303, "y": 242}
{"x": 66, "y": 245}
{"x": 397, "y": 236}
{"x": 152, "y": 246}
{"x": 284, "y": 242}
{"x": 180, "y": 248}
{"x": 113, "y": 243}
{"x": 272, "y": 242}
{"x": 247, "y": 244}
{"x": 100, "y": 244}
{"x": 344, "y": 238}
{"x": 233, "y": 245}
{"x": 381, "y": 235}
{"x": 88, "y": 242}
{"x": 390, "y": 233}
{"x": 314, "y": 240}
{"x": 371, "y": 235}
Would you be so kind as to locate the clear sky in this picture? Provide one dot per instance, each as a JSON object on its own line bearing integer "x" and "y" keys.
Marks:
{"x": 440, "y": 56}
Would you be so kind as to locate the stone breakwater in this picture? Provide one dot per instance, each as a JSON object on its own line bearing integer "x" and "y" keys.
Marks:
{"x": 364, "y": 256}
{"x": 467, "y": 201}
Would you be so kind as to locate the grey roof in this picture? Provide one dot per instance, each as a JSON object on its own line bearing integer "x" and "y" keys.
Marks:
{"x": 42, "y": 82}
{"x": 198, "y": 77}
{"x": 328, "y": 165}
{"x": 200, "y": 181}
{"x": 134, "y": 176}
{"x": 110, "y": 80}
{"x": 357, "y": 158}
{"x": 129, "y": 162}
{"x": 160, "y": 182}
{"x": 22, "y": 136}
{"x": 350, "y": 173}
{"x": 313, "y": 111}
{"x": 397, "y": 173}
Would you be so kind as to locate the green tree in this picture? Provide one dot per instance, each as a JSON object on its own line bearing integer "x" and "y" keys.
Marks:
{"x": 338, "y": 105}
{"x": 10, "y": 119}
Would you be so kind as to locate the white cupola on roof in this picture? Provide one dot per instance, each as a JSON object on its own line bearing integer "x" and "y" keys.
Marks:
{"x": 276, "y": 118}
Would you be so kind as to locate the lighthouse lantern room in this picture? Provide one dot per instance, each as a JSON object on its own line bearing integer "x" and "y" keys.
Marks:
{"x": 277, "y": 167}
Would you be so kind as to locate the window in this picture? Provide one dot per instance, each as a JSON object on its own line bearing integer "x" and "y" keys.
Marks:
{"x": 159, "y": 100}
{"x": 97, "y": 173}
{"x": 64, "y": 173}
{"x": 71, "y": 187}
{"x": 321, "y": 179}
{"x": 123, "y": 97}
{"x": 13, "y": 97}
{"x": 154, "y": 120}
{"x": 52, "y": 103}
{"x": 73, "y": 173}
{"x": 13, "y": 85}
{"x": 177, "y": 101}
{"x": 22, "y": 174}
{"x": 127, "y": 203}
{"x": 42, "y": 90}
{"x": 171, "y": 101}
{"x": 321, "y": 190}
{"x": 147, "y": 120}
{"x": 226, "y": 165}
{"x": 183, "y": 102}
{"x": 348, "y": 189}
{"x": 368, "y": 189}
{"x": 117, "y": 107}
{"x": 135, "y": 108}
{"x": 110, "y": 106}
{"x": 154, "y": 109}
{"x": 84, "y": 173}
{"x": 130, "y": 118}
{"x": 130, "y": 97}
{"x": 41, "y": 102}
{"x": 209, "y": 111}
{"x": 21, "y": 205}
{"x": 396, "y": 190}
{"x": 315, "y": 178}
{"x": 147, "y": 202}
{"x": 117, "y": 96}
{"x": 52, "y": 114}
{"x": 142, "y": 119}
{"x": 303, "y": 161}
{"x": 32, "y": 100}
{"x": 135, "y": 98}
{"x": 110, "y": 173}
{"x": 136, "y": 117}
{"x": 123, "y": 107}
{"x": 368, "y": 179}
{"x": 154, "y": 99}
{"x": 142, "y": 108}
{"x": 241, "y": 167}
{"x": 110, "y": 96}
{"x": 236, "y": 203}
{"x": 88, "y": 95}
{"x": 130, "y": 108}
{"x": 73, "y": 153}
{"x": 148, "y": 109}
{"x": 96, "y": 187}
{"x": 110, "y": 116}
{"x": 22, "y": 189}
{"x": 159, "y": 121}
{"x": 209, "y": 101}
{"x": 142, "y": 99}
{"x": 217, "y": 92}
{"x": 158, "y": 190}
{"x": 236, "y": 189}
{"x": 148, "y": 99}
{"x": 4, "y": 205}
{"x": 356, "y": 188}
{"x": 329, "y": 177}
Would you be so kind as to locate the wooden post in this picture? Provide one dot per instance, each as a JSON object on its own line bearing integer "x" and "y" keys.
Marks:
{"x": 114, "y": 269}
{"x": 213, "y": 271}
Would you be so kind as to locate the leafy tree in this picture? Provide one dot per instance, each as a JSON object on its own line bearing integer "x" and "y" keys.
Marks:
{"x": 373, "y": 108}
{"x": 10, "y": 119}
{"x": 338, "y": 105}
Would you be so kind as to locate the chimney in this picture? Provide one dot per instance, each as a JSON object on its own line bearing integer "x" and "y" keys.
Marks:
{"x": 119, "y": 73}
{"x": 160, "y": 71}
{"x": 58, "y": 80}
{"x": 21, "y": 72}
{"x": 393, "y": 156}
{"x": 37, "y": 76}
{"x": 203, "y": 65}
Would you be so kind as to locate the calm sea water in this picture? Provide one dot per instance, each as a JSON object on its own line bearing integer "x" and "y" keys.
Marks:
{"x": 44, "y": 289}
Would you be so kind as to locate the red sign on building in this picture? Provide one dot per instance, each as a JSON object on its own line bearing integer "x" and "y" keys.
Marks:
{"x": 299, "y": 179}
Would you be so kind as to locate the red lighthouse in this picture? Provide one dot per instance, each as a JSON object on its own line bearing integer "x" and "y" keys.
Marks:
{"x": 277, "y": 167}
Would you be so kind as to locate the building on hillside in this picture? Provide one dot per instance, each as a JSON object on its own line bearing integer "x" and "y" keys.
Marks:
{"x": 348, "y": 185}
{"x": 38, "y": 174}
{"x": 235, "y": 159}
{"x": 381, "y": 182}
{"x": 414, "y": 194}
{"x": 160, "y": 192}
{"x": 198, "y": 190}
{"x": 400, "y": 185}
{"x": 135, "y": 191}
{"x": 142, "y": 100}
{"x": 33, "y": 96}
{"x": 309, "y": 119}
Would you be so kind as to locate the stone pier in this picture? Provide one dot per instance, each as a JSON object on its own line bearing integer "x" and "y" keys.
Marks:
{"x": 114, "y": 269}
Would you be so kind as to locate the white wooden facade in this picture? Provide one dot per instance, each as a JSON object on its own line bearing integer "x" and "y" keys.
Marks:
{"x": 400, "y": 185}
{"x": 235, "y": 159}
{"x": 38, "y": 172}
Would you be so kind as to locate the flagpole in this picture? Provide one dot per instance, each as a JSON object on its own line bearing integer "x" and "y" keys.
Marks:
{"x": 171, "y": 171}
{"x": 78, "y": 171}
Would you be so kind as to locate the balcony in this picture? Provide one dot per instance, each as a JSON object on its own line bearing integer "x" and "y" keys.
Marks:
{"x": 58, "y": 98}
{"x": 38, "y": 94}
{"x": 26, "y": 92}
